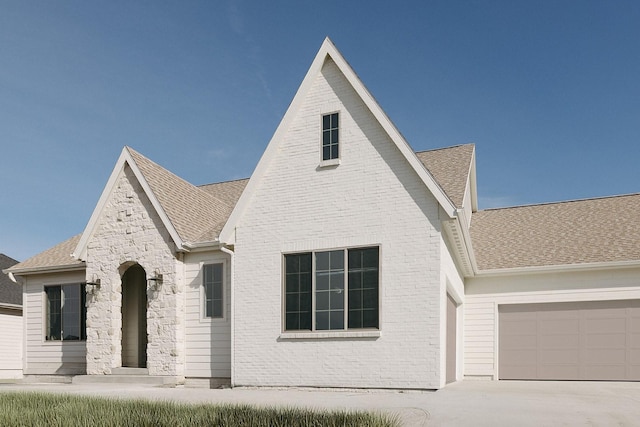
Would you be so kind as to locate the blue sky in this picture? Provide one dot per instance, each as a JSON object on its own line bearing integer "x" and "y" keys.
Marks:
{"x": 549, "y": 91}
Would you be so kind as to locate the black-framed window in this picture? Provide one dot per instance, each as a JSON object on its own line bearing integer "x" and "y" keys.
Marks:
{"x": 330, "y": 137}
{"x": 66, "y": 313}
{"x": 212, "y": 279}
{"x": 320, "y": 296}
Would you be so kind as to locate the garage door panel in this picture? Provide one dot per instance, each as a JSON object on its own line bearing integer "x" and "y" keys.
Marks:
{"x": 597, "y": 340}
{"x": 558, "y": 341}
{"x": 615, "y": 340}
{"x": 560, "y": 326}
{"x": 558, "y": 357}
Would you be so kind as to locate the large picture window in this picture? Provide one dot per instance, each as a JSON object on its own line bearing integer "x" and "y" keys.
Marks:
{"x": 320, "y": 296}
{"x": 213, "y": 285}
{"x": 66, "y": 313}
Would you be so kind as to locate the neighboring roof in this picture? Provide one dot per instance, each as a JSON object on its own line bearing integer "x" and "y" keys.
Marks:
{"x": 55, "y": 258}
{"x": 450, "y": 167}
{"x": 572, "y": 232}
{"x": 329, "y": 52}
{"x": 10, "y": 293}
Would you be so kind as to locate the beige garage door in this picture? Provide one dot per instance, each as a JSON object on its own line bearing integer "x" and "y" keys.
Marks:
{"x": 597, "y": 340}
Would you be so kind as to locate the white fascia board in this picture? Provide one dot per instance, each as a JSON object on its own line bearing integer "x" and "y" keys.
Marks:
{"x": 559, "y": 268}
{"x": 40, "y": 270}
{"x": 473, "y": 183}
{"x": 16, "y": 307}
{"x": 329, "y": 50}
{"x": 125, "y": 158}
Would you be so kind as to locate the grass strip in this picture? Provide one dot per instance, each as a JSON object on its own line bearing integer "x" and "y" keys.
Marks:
{"x": 45, "y": 409}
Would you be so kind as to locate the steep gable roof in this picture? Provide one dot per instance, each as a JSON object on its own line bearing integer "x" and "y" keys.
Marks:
{"x": 451, "y": 168}
{"x": 603, "y": 230}
{"x": 10, "y": 293}
{"x": 328, "y": 51}
{"x": 190, "y": 214}
{"x": 55, "y": 258}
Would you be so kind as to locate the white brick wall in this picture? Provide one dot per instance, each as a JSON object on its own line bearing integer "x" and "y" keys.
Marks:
{"x": 130, "y": 231}
{"x": 373, "y": 197}
{"x": 484, "y": 294}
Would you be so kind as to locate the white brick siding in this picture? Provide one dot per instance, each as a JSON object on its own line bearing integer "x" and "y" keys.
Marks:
{"x": 373, "y": 197}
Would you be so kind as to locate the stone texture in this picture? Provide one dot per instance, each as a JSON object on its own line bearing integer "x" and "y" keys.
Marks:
{"x": 130, "y": 231}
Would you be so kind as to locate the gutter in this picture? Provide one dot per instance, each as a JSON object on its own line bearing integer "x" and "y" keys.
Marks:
{"x": 7, "y": 306}
{"x": 232, "y": 313}
{"x": 34, "y": 270}
{"x": 188, "y": 246}
{"x": 558, "y": 268}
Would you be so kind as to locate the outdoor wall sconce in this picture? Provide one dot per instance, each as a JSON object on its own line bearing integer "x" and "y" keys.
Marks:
{"x": 95, "y": 285}
{"x": 157, "y": 280}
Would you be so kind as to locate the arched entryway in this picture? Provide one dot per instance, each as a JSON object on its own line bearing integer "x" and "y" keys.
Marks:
{"x": 134, "y": 317}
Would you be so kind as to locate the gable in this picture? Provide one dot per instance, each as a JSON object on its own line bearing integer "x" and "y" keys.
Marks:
{"x": 190, "y": 214}
{"x": 326, "y": 56}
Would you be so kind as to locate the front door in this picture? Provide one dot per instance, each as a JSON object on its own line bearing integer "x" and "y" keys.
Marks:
{"x": 134, "y": 317}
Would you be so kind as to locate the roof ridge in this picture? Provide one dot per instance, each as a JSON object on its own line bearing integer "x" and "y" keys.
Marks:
{"x": 560, "y": 202}
{"x": 223, "y": 182}
{"x": 444, "y": 148}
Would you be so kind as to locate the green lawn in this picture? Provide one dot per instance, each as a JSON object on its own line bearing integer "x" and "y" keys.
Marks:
{"x": 42, "y": 409}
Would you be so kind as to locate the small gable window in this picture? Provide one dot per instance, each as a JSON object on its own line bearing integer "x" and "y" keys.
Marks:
{"x": 330, "y": 146}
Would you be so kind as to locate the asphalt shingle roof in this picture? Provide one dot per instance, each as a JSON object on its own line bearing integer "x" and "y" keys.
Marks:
{"x": 572, "y": 232}
{"x": 57, "y": 256}
{"x": 10, "y": 293}
{"x": 450, "y": 167}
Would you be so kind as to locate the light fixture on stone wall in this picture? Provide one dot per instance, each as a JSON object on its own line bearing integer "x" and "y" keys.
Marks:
{"x": 157, "y": 280}
{"x": 95, "y": 284}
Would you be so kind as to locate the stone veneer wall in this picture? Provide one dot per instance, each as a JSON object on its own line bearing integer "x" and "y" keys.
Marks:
{"x": 130, "y": 231}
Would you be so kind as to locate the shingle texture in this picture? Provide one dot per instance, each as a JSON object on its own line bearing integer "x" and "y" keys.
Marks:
{"x": 572, "y": 232}
{"x": 450, "y": 167}
{"x": 195, "y": 213}
{"x": 57, "y": 256}
{"x": 10, "y": 293}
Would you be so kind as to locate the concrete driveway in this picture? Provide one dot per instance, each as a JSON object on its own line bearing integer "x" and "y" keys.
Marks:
{"x": 466, "y": 403}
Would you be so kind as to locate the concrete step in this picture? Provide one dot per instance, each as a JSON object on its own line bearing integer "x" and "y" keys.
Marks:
{"x": 126, "y": 379}
{"x": 129, "y": 371}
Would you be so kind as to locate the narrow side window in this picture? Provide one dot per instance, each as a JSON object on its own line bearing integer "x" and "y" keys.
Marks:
{"x": 213, "y": 287}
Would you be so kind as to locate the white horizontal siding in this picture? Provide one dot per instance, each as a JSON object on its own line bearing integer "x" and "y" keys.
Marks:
{"x": 49, "y": 357}
{"x": 484, "y": 294}
{"x": 207, "y": 341}
{"x": 11, "y": 347}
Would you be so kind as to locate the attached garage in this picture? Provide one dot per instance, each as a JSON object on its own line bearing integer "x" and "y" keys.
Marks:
{"x": 595, "y": 340}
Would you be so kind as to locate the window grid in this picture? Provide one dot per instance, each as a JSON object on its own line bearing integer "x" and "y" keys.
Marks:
{"x": 213, "y": 290}
{"x": 330, "y": 137}
{"x": 335, "y": 300}
{"x": 66, "y": 313}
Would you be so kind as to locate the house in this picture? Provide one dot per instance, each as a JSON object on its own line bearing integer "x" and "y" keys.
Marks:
{"x": 346, "y": 260}
{"x": 10, "y": 323}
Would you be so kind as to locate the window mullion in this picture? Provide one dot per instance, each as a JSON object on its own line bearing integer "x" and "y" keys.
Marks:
{"x": 313, "y": 291}
{"x": 346, "y": 288}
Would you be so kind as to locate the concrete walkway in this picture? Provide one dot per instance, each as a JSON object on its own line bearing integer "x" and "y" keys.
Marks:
{"x": 466, "y": 403}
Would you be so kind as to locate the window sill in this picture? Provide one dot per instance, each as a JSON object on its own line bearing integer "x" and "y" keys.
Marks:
{"x": 328, "y": 335}
{"x": 329, "y": 163}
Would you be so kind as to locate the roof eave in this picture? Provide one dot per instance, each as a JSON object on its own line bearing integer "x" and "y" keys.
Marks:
{"x": 607, "y": 265}
{"x": 45, "y": 269}
{"x": 7, "y": 306}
